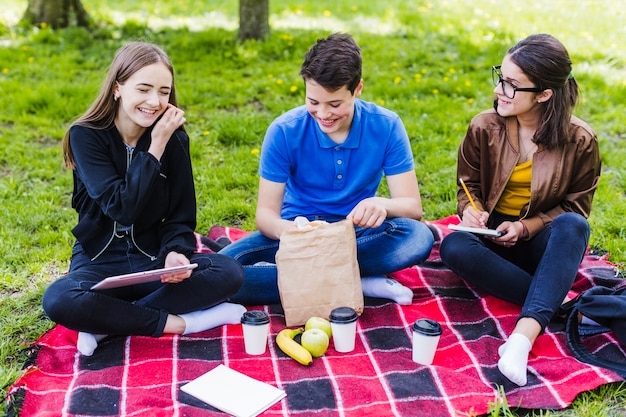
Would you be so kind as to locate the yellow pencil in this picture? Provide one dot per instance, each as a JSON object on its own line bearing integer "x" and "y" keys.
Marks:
{"x": 468, "y": 194}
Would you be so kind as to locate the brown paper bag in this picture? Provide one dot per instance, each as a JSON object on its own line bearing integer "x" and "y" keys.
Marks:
{"x": 318, "y": 271}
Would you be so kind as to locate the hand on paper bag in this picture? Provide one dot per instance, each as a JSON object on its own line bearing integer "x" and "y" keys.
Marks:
{"x": 370, "y": 212}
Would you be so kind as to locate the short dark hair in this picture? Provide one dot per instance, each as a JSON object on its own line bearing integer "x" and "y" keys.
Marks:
{"x": 333, "y": 62}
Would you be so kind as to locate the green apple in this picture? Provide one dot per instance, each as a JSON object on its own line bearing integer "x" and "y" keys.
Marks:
{"x": 315, "y": 341}
{"x": 319, "y": 323}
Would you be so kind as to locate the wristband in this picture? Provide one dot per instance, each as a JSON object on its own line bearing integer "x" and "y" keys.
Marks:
{"x": 525, "y": 234}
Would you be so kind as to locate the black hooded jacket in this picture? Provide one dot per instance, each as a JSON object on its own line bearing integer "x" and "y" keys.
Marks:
{"x": 113, "y": 185}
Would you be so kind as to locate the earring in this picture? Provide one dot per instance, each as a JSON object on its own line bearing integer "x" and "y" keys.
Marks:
{"x": 114, "y": 98}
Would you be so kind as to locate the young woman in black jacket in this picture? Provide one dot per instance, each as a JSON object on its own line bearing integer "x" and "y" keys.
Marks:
{"x": 135, "y": 198}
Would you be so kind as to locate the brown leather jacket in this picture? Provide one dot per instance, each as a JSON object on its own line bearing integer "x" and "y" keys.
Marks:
{"x": 563, "y": 180}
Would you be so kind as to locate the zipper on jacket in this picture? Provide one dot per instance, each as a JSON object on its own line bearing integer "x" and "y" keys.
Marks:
{"x": 130, "y": 150}
{"x": 129, "y": 155}
{"x": 129, "y": 159}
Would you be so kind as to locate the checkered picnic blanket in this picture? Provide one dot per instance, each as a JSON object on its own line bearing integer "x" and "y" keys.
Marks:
{"x": 142, "y": 376}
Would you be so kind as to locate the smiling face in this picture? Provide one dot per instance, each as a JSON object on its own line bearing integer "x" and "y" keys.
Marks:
{"x": 143, "y": 98}
{"x": 333, "y": 110}
{"x": 524, "y": 103}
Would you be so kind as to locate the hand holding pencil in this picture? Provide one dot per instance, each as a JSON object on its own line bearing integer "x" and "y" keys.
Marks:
{"x": 476, "y": 219}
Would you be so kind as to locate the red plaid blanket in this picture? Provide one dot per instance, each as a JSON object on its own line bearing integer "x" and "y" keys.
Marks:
{"x": 142, "y": 376}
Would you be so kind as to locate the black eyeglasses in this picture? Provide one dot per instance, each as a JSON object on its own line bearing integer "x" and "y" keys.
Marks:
{"x": 508, "y": 89}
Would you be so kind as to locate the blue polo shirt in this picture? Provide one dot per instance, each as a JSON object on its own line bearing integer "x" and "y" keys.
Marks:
{"x": 326, "y": 179}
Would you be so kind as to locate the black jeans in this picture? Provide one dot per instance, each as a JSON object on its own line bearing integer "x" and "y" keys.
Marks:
{"x": 536, "y": 274}
{"x": 138, "y": 309}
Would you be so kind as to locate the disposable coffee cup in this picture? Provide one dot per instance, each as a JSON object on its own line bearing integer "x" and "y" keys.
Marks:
{"x": 426, "y": 334}
{"x": 343, "y": 326}
{"x": 256, "y": 325}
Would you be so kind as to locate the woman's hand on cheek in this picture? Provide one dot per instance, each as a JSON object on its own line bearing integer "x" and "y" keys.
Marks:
{"x": 172, "y": 119}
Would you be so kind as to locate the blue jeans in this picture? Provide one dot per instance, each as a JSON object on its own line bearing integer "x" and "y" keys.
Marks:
{"x": 397, "y": 244}
{"x": 138, "y": 309}
{"x": 536, "y": 274}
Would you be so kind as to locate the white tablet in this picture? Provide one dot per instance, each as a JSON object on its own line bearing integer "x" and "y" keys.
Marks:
{"x": 139, "y": 277}
{"x": 476, "y": 230}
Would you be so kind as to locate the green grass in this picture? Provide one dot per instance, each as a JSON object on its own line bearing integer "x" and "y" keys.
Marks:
{"x": 428, "y": 61}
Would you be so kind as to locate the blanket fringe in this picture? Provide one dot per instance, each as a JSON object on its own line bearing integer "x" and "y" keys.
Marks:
{"x": 29, "y": 355}
{"x": 16, "y": 395}
{"x": 15, "y": 401}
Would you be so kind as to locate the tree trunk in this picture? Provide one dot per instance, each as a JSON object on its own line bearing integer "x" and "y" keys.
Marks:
{"x": 253, "y": 19}
{"x": 56, "y": 13}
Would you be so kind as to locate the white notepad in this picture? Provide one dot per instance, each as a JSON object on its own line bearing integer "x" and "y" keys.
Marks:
{"x": 233, "y": 392}
{"x": 477, "y": 230}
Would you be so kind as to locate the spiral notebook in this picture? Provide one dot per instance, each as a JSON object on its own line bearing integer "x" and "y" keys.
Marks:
{"x": 233, "y": 392}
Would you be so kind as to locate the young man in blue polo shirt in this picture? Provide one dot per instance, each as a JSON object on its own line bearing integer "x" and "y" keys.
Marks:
{"x": 324, "y": 161}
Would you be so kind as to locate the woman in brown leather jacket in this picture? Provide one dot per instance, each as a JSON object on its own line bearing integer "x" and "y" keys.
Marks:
{"x": 531, "y": 169}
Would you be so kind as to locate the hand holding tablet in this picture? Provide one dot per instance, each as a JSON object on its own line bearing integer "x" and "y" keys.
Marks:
{"x": 140, "y": 277}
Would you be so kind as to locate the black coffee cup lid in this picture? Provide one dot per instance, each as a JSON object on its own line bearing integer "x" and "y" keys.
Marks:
{"x": 343, "y": 315}
{"x": 255, "y": 317}
{"x": 427, "y": 327}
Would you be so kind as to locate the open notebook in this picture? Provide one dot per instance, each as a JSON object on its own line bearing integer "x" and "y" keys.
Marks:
{"x": 233, "y": 392}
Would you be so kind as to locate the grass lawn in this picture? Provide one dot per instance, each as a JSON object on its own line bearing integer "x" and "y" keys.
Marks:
{"x": 429, "y": 61}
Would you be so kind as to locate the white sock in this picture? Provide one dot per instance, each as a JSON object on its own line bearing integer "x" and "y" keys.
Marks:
{"x": 514, "y": 358}
{"x": 586, "y": 320}
{"x": 201, "y": 320}
{"x": 88, "y": 342}
{"x": 263, "y": 263}
{"x": 385, "y": 287}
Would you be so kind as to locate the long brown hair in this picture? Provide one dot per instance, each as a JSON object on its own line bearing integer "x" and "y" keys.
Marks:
{"x": 547, "y": 64}
{"x": 129, "y": 59}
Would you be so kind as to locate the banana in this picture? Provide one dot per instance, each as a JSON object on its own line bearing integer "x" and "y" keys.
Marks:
{"x": 284, "y": 340}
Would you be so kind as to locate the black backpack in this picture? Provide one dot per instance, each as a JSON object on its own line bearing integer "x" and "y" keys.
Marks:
{"x": 607, "y": 307}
